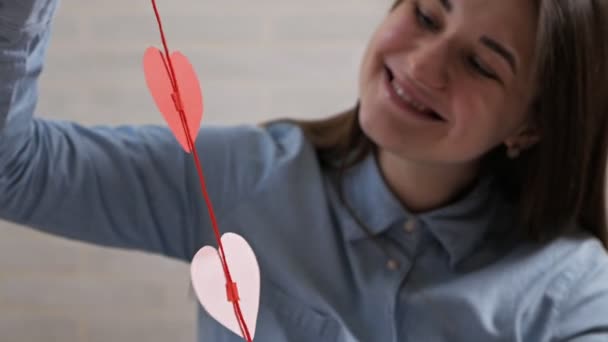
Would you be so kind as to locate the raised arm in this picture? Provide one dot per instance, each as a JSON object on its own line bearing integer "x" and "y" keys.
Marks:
{"x": 128, "y": 186}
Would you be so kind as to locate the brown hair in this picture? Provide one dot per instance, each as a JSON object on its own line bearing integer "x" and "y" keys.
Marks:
{"x": 562, "y": 179}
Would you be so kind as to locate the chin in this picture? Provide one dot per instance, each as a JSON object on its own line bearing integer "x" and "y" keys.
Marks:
{"x": 385, "y": 134}
{"x": 408, "y": 143}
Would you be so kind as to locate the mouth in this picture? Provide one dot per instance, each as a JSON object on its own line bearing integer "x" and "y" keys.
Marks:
{"x": 404, "y": 97}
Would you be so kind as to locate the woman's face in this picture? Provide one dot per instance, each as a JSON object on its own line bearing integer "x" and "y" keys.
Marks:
{"x": 445, "y": 81}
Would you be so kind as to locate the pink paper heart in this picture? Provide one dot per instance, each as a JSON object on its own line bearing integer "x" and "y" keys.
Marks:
{"x": 156, "y": 69}
{"x": 209, "y": 282}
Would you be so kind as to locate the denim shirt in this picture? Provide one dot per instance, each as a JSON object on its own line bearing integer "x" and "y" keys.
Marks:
{"x": 457, "y": 273}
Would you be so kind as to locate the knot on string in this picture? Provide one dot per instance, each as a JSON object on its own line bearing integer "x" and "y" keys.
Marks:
{"x": 232, "y": 292}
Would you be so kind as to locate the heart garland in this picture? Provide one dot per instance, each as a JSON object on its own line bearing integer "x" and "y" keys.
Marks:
{"x": 176, "y": 91}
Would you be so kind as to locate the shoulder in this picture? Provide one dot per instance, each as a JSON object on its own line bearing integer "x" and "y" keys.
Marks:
{"x": 580, "y": 254}
{"x": 583, "y": 285}
{"x": 582, "y": 251}
{"x": 278, "y": 137}
{"x": 249, "y": 155}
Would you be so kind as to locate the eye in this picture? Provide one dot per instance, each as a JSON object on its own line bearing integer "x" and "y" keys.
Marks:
{"x": 480, "y": 68}
{"x": 424, "y": 20}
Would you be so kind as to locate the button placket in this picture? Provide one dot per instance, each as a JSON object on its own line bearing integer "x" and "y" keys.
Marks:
{"x": 413, "y": 235}
{"x": 407, "y": 245}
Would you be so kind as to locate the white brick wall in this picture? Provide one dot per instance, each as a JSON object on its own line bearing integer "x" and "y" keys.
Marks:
{"x": 256, "y": 60}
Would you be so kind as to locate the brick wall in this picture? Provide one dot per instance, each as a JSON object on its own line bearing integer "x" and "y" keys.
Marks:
{"x": 256, "y": 59}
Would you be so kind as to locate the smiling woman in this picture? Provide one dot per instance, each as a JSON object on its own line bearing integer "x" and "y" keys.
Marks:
{"x": 461, "y": 199}
{"x": 514, "y": 92}
{"x": 453, "y": 93}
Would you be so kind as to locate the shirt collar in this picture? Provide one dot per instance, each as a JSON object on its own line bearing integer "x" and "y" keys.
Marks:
{"x": 462, "y": 226}
{"x": 459, "y": 227}
{"x": 367, "y": 193}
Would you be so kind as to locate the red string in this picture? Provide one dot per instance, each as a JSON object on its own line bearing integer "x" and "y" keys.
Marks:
{"x": 232, "y": 294}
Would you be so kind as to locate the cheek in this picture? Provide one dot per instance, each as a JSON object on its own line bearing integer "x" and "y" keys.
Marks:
{"x": 393, "y": 36}
{"x": 397, "y": 32}
{"x": 483, "y": 120}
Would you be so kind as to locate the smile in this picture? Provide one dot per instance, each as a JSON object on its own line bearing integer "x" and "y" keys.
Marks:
{"x": 408, "y": 102}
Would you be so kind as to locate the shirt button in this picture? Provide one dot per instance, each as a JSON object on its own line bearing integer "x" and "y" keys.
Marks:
{"x": 409, "y": 226}
{"x": 392, "y": 265}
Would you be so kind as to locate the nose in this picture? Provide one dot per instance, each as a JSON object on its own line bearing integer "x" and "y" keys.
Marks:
{"x": 427, "y": 64}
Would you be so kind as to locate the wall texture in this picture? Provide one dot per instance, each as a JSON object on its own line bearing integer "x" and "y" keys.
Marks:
{"x": 256, "y": 59}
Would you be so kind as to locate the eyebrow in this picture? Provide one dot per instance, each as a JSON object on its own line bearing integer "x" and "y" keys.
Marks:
{"x": 500, "y": 50}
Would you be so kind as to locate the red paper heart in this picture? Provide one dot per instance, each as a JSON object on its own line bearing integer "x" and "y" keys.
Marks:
{"x": 158, "y": 79}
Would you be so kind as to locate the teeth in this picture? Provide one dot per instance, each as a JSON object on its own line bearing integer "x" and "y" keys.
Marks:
{"x": 405, "y": 97}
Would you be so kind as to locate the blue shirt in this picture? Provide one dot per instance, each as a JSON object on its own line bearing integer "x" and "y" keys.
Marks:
{"x": 458, "y": 273}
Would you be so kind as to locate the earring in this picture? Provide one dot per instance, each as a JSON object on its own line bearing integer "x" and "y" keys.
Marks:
{"x": 513, "y": 151}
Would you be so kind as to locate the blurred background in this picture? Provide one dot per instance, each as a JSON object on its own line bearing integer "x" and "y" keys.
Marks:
{"x": 257, "y": 60}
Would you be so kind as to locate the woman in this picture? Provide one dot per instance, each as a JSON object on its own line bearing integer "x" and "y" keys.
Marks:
{"x": 462, "y": 199}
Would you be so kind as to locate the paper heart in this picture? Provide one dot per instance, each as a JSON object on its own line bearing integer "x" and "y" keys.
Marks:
{"x": 158, "y": 79}
{"x": 209, "y": 282}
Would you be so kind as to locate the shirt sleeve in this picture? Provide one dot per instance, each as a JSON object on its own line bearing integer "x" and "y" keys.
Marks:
{"x": 583, "y": 313}
{"x": 127, "y": 186}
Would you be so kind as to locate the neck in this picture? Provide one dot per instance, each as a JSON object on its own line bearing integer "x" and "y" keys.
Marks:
{"x": 423, "y": 187}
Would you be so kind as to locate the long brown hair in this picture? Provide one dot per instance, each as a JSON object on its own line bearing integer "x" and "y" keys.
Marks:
{"x": 562, "y": 179}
